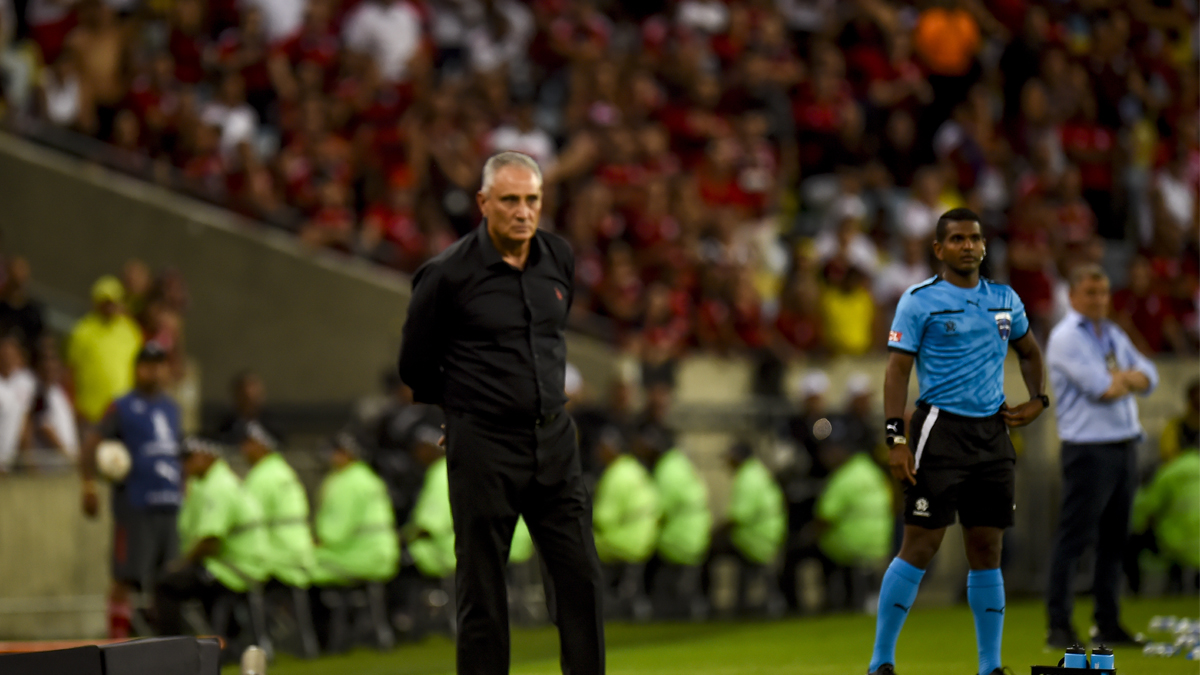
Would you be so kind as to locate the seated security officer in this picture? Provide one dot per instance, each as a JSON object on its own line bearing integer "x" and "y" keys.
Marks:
{"x": 221, "y": 534}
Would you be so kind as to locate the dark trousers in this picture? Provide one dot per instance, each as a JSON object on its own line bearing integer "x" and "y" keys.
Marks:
{"x": 1098, "y": 485}
{"x": 498, "y": 471}
{"x": 193, "y": 582}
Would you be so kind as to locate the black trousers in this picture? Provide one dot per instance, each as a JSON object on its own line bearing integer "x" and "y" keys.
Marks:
{"x": 498, "y": 471}
{"x": 1098, "y": 485}
{"x": 177, "y": 587}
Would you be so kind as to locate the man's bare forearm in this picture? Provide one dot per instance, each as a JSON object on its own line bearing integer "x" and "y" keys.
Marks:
{"x": 895, "y": 385}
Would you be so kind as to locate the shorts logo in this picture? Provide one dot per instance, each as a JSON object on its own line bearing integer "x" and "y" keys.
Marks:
{"x": 951, "y": 327}
{"x": 895, "y": 336}
{"x": 1004, "y": 324}
{"x": 921, "y": 507}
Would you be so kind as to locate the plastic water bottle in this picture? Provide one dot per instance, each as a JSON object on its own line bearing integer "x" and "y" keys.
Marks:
{"x": 1194, "y": 655}
{"x": 254, "y": 661}
{"x": 1158, "y": 649}
{"x": 1102, "y": 658}
{"x": 1075, "y": 657}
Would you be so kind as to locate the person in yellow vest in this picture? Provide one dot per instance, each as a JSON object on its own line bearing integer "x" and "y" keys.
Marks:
{"x": 102, "y": 349}
{"x": 221, "y": 534}
{"x": 625, "y": 522}
{"x": 355, "y": 527}
{"x": 278, "y": 490}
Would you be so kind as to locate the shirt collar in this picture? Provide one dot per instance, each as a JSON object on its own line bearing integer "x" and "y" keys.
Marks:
{"x": 1083, "y": 322}
{"x": 487, "y": 250}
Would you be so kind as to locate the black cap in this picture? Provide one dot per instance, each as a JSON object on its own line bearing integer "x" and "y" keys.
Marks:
{"x": 194, "y": 445}
{"x": 151, "y": 351}
{"x": 253, "y": 430}
{"x": 347, "y": 443}
{"x": 741, "y": 451}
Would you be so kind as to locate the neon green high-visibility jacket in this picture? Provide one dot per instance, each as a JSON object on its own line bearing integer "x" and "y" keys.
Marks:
{"x": 274, "y": 484}
{"x": 1170, "y": 504}
{"x": 758, "y": 521}
{"x": 430, "y": 529}
{"x": 356, "y": 529}
{"x": 857, "y": 504}
{"x": 626, "y": 512}
{"x": 686, "y": 521}
{"x": 522, "y": 544}
{"x": 217, "y": 506}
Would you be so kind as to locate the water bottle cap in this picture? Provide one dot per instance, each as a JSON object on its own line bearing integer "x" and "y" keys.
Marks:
{"x": 1076, "y": 649}
{"x": 1105, "y": 651}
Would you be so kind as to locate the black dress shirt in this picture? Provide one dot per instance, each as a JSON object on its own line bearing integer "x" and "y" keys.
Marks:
{"x": 485, "y": 338}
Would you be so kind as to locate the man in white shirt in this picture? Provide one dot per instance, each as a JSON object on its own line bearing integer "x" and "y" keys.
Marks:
{"x": 524, "y": 136}
{"x": 17, "y": 387}
{"x": 389, "y": 31}
{"x": 281, "y": 18}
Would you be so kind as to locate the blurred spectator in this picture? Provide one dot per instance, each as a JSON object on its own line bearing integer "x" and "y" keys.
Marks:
{"x": 64, "y": 96}
{"x": 229, "y": 112}
{"x": 17, "y": 390}
{"x": 248, "y": 394}
{"x": 1182, "y": 432}
{"x": 101, "y": 350}
{"x": 50, "y": 424}
{"x": 1147, "y": 315}
{"x": 386, "y": 31}
{"x": 625, "y": 521}
{"x": 900, "y": 274}
{"x": 101, "y": 43}
{"x": 20, "y": 314}
{"x": 522, "y": 134}
{"x": 848, "y": 311}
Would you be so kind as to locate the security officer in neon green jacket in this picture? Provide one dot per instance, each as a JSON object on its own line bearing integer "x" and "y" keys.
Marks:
{"x": 686, "y": 524}
{"x": 220, "y": 530}
{"x": 277, "y": 488}
{"x": 1170, "y": 506}
{"x": 626, "y": 509}
{"x": 757, "y": 517}
{"x": 355, "y": 525}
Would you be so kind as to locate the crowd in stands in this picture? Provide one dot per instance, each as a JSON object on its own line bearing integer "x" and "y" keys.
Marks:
{"x": 734, "y": 175}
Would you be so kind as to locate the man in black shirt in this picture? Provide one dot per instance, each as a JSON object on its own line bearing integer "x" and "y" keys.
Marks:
{"x": 485, "y": 340}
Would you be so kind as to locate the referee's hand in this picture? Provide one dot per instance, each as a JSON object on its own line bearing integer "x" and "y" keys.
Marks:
{"x": 1022, "y": 414}
{"x": 903, "y": 464}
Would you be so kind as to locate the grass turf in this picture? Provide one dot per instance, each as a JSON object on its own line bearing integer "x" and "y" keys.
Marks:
{"x": 936, "y": 641}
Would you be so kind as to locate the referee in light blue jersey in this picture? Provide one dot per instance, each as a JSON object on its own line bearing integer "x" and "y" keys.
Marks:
{"x": 1095, "y": 370}
{"x": 957, "y": 328}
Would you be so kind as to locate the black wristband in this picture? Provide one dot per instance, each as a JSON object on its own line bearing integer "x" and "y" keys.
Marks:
{"x": 895, "y": 426}
{"x": 1044, "y": 399}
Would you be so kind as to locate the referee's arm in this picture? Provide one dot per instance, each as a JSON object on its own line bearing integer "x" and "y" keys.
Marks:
{"x": 895, "y": 399}
{"x": 1034, "y": 373}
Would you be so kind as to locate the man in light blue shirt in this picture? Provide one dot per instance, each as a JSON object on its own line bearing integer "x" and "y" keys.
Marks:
{"x": 1095, "y": 370}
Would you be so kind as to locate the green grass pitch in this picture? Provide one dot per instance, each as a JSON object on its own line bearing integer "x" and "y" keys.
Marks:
{"x": 936, "y": 641}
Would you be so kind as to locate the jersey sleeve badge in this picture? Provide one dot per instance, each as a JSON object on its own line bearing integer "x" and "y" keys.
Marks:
{"x": 895, "y": 336}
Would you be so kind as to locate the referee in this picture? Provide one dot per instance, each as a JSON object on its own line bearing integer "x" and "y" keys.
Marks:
{"x": 485, "y": 340}
{"x": 957, "y": 328}
{"x": 1095, "y": 370}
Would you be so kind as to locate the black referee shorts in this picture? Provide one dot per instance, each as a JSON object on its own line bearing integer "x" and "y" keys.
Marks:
{"x": 965, "y": 465}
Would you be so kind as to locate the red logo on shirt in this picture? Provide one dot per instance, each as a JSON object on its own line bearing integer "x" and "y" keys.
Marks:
{"x": 895, "y": 336}
{"x": 558, "y": 293}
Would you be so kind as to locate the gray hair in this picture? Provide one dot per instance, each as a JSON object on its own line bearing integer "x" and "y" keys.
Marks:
{"x": 1086, "y": 272}
{"x": 509, "y": 158}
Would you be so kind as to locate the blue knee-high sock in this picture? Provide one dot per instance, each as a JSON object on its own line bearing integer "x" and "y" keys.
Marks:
{"x": 896, "y": 595}
{"x": 985, "y": 594}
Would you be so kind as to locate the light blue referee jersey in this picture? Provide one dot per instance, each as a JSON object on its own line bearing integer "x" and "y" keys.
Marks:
{"x": 960, "y": 337}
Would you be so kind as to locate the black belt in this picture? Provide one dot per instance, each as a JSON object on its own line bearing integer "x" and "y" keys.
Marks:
{"x": 1093, "y": 444}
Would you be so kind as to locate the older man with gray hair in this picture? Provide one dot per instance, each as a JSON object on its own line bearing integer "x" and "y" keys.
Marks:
{"x": 485, "y": 339}
{"x": 1095, "y": 371}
